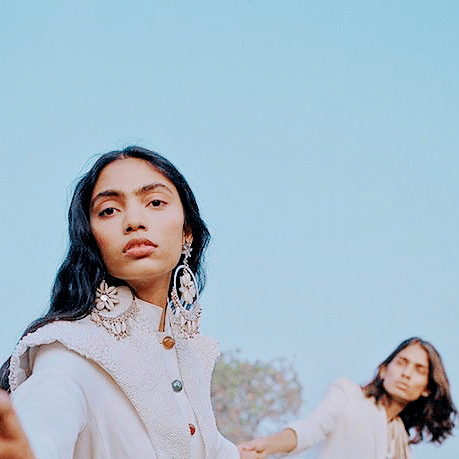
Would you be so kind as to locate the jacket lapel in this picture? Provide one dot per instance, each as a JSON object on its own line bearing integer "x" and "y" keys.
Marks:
{"x": 137, "y": 369}
{"x": 196, "y": 377}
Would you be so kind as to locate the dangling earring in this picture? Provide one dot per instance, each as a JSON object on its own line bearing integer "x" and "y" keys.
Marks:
{"x": 118, "y": 325}
{"x": 186, "y": 311}
{"x": 106, "y": 297}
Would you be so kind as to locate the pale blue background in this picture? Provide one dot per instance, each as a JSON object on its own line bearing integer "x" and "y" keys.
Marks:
{"x": 320, "y": 138}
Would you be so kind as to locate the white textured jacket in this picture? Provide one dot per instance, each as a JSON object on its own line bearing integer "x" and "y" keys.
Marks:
{"x": 82, "y": 393}
{"x": 348, "y": 425}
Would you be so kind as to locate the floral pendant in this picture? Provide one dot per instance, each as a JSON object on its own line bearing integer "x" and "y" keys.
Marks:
{"x": 119, "y": 325}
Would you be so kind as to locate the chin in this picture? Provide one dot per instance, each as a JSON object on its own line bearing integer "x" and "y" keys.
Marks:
{"x": 145, "y": 274}
{"x": 397, "y": 394}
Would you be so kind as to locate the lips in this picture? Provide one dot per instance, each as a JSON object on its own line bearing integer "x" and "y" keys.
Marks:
{"x": 139, "y": 247}
{"x": 401, "y": 385}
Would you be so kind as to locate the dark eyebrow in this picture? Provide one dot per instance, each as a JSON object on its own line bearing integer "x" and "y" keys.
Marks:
{"x": 103, "y": 194}
{"x": 151, "y": 187}
{"x": 142, "y": 190}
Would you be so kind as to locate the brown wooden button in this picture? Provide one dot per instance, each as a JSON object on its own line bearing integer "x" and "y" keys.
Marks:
{"x": 168, "y": 342}
{"x": 192, "y": 429}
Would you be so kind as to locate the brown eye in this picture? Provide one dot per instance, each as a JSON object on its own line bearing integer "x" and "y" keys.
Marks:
{"x": 157, "y": 203}
{"x": 107, "y": 212}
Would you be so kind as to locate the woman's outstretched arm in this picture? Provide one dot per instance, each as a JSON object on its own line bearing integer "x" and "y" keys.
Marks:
{"x": 13, "y": 441}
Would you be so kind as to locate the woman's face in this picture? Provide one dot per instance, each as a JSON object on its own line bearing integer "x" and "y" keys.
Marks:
{"x": 137, "y": 219}
{"x": 407, "y": 375}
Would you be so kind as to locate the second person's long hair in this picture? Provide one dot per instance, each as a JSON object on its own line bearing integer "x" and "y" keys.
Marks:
{"x": 433, "y": 415}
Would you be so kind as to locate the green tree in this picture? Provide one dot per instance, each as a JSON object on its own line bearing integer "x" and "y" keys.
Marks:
{"x": 249, "y": 395}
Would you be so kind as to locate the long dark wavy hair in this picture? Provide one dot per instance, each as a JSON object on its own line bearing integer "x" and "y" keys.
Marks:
{"x": 433, "y": 415}
{"x": 82, "y": 270}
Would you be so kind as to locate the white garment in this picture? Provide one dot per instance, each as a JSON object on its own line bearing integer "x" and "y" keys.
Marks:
{"x": 346, "y": 425}
{"x": 81, "y": 393}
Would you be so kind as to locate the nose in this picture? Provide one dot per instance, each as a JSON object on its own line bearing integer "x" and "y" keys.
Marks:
{"x": 134, "y": 220}
{"x": 407, "y": 371}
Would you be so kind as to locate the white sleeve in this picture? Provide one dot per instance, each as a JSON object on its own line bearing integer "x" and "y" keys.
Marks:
{"x": 322, "y": 421}
{"x": 226, "y": 449}
{"x": 52, "y": 411}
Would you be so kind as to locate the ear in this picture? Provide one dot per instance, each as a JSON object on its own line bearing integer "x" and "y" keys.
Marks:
{"x": 382, "y": 372}
{"x": 425, "y": 392}
{"x": 187, "y": 236}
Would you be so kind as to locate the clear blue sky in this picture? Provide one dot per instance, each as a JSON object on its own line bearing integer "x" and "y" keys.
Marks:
{"x": 320, "y": 138}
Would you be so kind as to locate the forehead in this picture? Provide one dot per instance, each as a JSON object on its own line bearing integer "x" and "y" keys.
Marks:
{"x": 415, "y": 353}
{"x": 129, "y": 174}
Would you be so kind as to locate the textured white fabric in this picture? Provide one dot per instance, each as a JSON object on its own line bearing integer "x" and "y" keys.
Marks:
{"x": 81, "y": 393}
{"x": 346, "y": 425}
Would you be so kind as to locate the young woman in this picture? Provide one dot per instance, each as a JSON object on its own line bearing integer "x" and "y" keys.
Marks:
{"x": 116, "y": 368}
{"x": 409, "y": 395}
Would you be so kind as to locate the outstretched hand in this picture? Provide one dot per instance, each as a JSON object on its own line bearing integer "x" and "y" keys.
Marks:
{"x": 13, "y": 441}
{"x": 262, "y": 447}
{"x": 254, "y": 449}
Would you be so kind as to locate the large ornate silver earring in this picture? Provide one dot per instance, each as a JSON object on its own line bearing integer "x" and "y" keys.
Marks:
{"x": 106, "y": 297}
{"x": 186, "y": 311}
{"x": 103, "y": 314}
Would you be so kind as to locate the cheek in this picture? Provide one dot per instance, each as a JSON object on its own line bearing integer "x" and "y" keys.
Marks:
{"x": 175, "y": 243}
{"x": 173, "y": 232}
{"x": 395, "y": 370}
{"x": 422, "y": 383}
{"x": 174, "y": 247}
{"x": 388, "y": 381}
{"x": 391, "y": 376}
{"x": 104, "y": 243}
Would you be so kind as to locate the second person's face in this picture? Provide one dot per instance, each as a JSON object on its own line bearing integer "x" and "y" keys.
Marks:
{"x": 137, "y": 220}
{"x": 407, "y": 375}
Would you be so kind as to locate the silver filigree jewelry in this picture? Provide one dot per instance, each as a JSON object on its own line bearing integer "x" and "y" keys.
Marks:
{"x": 186, "y": 311}
{"x": 106, "y": 297}
{"x": 187, "y": 287}
{"x": 119, "y": 325}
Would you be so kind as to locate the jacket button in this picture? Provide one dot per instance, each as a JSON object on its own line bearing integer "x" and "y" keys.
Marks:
{"x": 177, "y": 385}
{"x": 192, "y": 429}
{"x": 168, "y": 342}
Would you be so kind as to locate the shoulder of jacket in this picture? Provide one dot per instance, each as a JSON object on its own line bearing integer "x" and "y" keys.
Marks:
{"x": 73, "y": 335}
{"x": 208, "y": 348}
{"x": 59, "y": 358}
{"x": 348, "y": 386}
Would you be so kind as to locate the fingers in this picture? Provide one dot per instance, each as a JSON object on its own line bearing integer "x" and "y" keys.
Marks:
{"x": 253, "y": 445}
{"x": 9, "y": 425}
{"x": 249, "y": 453}
{"x": 252, "y": 450}
{"x": 13, "y": 442}
{"x": 246, "y": 447}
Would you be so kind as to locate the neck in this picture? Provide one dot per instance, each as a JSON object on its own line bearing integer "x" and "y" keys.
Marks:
{"x": 152, "y": 291}
{"x": 155, "y": 292}
{"x": 393, "y": 407}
